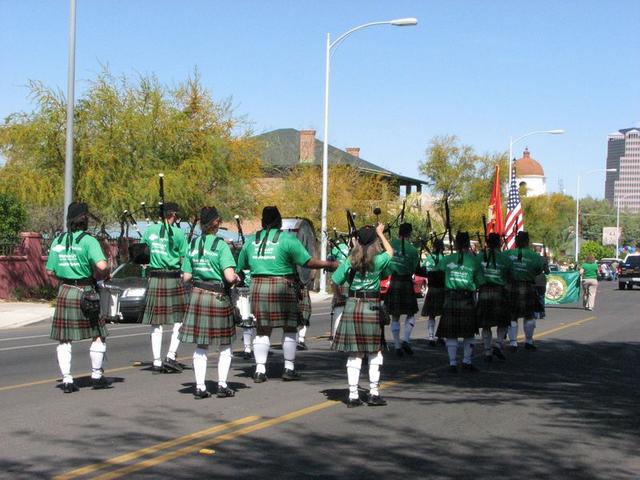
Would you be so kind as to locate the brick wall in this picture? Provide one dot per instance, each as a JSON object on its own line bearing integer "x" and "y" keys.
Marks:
{"x": 25, "y": 269}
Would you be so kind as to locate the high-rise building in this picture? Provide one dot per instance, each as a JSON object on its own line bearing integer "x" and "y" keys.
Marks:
{"x": 623, "y": 154}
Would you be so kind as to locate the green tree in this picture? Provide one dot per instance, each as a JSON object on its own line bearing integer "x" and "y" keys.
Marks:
{"x": 596, "y": 249}
{"x": 13, "y": 218}
{"x": 549, "y": 220}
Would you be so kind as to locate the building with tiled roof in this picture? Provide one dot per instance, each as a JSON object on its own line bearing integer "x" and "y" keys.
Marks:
{"x": 530, "y": 174}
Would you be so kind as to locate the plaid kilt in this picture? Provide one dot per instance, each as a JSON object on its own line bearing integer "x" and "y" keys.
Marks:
{"x": 274, "y": 302}
{"x": 524, "y": 300}
{"x": 305, "y": 306}
{"x": 401, "y": 298}
{"x": 433, "y": 302}
{"x": 209, "y": 319}
{"x": 458, "y": 315}
{"x": 359, "y": 329}
{"x": 68, "y": 321}
{"x": 493, "y": 306}
{"x": 166, "y": 301}
{"x": 540, "y": 309}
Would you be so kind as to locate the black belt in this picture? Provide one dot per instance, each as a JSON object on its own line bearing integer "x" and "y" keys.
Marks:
{"x": 78, "y": 282}
{"x": 292, "y": 276}
{"x": 164, "y": 273}
{"x": 212, "y": 286}
{"x": 364, "y": 294}
{"x": 401, "y": 277}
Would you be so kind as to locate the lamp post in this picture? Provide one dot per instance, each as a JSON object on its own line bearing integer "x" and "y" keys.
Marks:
{"x": 71, "y": 75}
{"x": 578, "y": 204}
{"x": 400, "y": 22}
{"x": 619, "y": 197}
{"x": 537, "y": 132}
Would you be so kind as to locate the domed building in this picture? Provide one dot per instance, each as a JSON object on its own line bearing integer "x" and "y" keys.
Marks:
{"x": 529, "y": 174}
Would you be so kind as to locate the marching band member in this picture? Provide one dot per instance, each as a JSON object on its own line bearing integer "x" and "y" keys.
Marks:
{"x": 339, "y": 252}
{"x": 248, "y": 333}
{"x": 526, "y": 265}
{"x": 360, "y": 330}
{"x": 434, "y": 298}
{"x": 462, "y": 276}
{"x": 493, "y": 297}
{"x": 72, "y": 259}
{"x": 272, "y": 255}
{"x": 166, "y": 297}
{"x": 210, "y": 315}
{"x": 305, "y": 315}
{"x": 401, "y": 297}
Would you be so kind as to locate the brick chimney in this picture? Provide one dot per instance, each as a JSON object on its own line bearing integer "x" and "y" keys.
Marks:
{"x": 355, "y": 151}
{"x": 307, "y": 146}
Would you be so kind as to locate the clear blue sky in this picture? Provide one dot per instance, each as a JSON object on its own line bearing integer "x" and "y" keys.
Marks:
{"x": 482, "y": 70}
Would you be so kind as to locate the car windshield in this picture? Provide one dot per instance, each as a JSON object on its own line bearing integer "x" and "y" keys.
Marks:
{"x": 128, "y": 270}
{"x": 633, "y": 261}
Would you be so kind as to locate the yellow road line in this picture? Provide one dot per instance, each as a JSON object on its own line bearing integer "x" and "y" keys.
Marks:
{"x": 127, "y": 457}
{"x": 544, "y": 333}
{"x": 151, "y": 462}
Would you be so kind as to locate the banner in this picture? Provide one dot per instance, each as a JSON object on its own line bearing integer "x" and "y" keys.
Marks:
{"x": 562, "y": 287}
{"x": 495, "y": 224}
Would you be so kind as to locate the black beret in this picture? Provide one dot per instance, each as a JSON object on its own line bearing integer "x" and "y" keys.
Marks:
{"x": 493, "y": 240}
{"x": 462, "y": 240}
{"x": 170, "y": 207}
{"x": 366, "y": 235}
{"x": 522, "y": 238}
{"x": 438, "y": 245}
{"x": 208, "y": 214}
{"x": 76, "y": 210}
{"x": 405, "y": 229}
{"x": 271, "y": 217}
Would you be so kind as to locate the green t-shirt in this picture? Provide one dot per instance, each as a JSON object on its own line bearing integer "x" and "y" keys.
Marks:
{"x": 590, "y": 270}
{"x": 526, "y": 269}
{"x": 163, "y": 255}
{"x": 432, "y": 260}
{"x": 370, "y": 281}
{"x": 501, "y": 273}
{"x": 212, "y": 264}
{"x": 404, "y": 264}
{"x": 340, "y": 252}
{"x": 465, "y": 276}
{"x": 77, "y": 262}
{"x": 278, "y": 259}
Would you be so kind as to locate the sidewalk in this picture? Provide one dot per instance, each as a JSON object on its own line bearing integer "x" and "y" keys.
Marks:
{"x": 19, "y": 314}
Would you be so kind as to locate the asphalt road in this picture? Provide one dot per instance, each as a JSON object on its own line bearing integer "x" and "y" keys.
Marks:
{"x": 569, "y": 410}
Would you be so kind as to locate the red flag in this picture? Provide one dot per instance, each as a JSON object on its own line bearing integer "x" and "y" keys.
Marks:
{"x": 495, "y": 223}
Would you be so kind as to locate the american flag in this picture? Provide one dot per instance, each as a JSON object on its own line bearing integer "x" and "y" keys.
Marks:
{"x": 514, "y": 222}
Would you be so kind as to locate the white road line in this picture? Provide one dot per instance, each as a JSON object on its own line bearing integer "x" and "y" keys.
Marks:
{"x": 111, "y": 328}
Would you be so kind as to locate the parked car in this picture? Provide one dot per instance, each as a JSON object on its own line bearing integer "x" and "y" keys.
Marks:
{"x": 419, "y": 285}
{"x": 554, "y": 267}
{"x": 128, "y": 282}
{"x": 629, "y": 272}
{"x": 604, "y": 271}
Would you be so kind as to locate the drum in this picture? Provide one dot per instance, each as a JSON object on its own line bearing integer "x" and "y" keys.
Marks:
{"x": 110, "y": 303}
{"x": 304, "y": 231}
{"x": 240, "y": 296}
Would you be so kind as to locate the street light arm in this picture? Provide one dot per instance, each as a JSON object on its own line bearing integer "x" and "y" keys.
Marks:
{"x": 359, "y": 27}
{"x": 538, "y": 132}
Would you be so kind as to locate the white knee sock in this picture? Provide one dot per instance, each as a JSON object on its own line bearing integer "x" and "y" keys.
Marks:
{"x": 468, "y": 350}
{"x": 175, "y": 343}
{"x": 452, "y": 350}
{"x": 529, "y": 328}
{"x": 96, "y": 352}
{"x": 302, "y": 332}
{"x": 156, "y": 344}
{"x": 409, "y": 323}
{"x": 486, "y": 337}
{"x": 431, "y": 328}
{"x": 224, "y": 364}
{"x": 261, "y": 352}
{"x": 395, "y": 330}
{"x": 500, "y": 333}
{"x": 247, "y": 337}
{"x": 375, "y": 362}
{"x": 513, "y": 333}
{"x": 337, "y": 314}
{"x": 63, "y": 351}
{"x": 354, "y": 363}
{"x": 289, "y": 347}
{"x": 200, "y": 367}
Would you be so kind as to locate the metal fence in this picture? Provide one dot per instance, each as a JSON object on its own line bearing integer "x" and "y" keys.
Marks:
{"x": 8, "y": 248}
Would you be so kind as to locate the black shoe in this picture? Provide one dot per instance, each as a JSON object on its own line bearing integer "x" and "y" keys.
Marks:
{"x": 488, "y": 358}
{"x": 376, "y": 401}
{"x": 200, "y": 394}
{"x": 513, "y": 348}
{"x": 100, "y": 383}
{"x": 155, "y": 369}
{"x": 259, "y": 377}
{"x": 302, "y": 346}
{"x": 69, "y": 387}
{"x": 247, "y": 355}
{"x": 399, "y": 352}
{"x": 469, "y": 367}
{"x": 224, "y": 392}
{"x": 453, "y": 369}
{"x": 290, "y": 375}
{"x": 497, "y": 352}
{"x": 354, "y": 402}
{"x": 172, "y": 366}
{"x": 407, "y": 348}
{"x": 530, "y": 346}
{"x": 432, "y": 343}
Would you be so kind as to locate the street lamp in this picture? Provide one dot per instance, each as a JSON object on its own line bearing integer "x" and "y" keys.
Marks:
{"x": 71, "y": 75}
{"x": 578, "y": 203}
{"x": 619, "y": 197}
{"x": 537, "y": 132}
{"x": 399, "y": 22}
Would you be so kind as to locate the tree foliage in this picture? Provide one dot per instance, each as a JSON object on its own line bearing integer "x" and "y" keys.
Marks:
{"x": 13, "y": 218}
{"x": 596, "y": 249}
{"x": 125, "y": 133}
